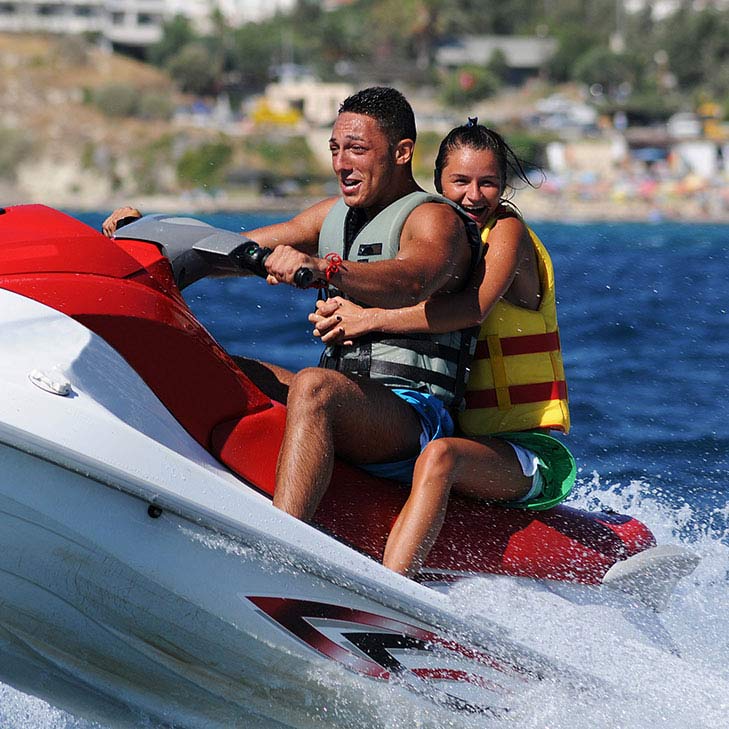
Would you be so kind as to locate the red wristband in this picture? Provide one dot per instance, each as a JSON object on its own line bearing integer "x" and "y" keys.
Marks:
{"x": 335, "y": 263}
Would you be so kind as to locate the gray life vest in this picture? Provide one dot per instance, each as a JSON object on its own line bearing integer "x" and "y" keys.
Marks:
{"x": 434, "y": 363}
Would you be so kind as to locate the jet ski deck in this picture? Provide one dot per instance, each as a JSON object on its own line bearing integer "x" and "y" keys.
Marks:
{"x": 124, "y": 291}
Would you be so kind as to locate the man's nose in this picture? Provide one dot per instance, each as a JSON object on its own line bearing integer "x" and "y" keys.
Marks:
{"x": 339, "y": 160}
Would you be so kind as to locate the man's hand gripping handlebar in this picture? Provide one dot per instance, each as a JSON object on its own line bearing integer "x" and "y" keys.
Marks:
{"x": 252, "y": 257}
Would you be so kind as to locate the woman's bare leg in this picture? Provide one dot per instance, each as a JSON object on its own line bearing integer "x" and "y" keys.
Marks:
{"x": 486, "y": 469}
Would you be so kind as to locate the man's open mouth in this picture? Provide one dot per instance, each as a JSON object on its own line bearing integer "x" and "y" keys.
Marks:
{"x": 349, "y": 183}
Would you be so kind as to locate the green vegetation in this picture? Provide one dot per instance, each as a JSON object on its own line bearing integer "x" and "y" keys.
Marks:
{"x": 125, "y": 100}
{"x": 468, "y": 84}
{"x": 205, "y": 166}
{"x": 425, "y": 152}
{"x": 15, "y": 146}
{"x": 628, "y": 59}
{"x": 152, "y": 165}
{"x": 196, "y": 68}
{"x": 285, "y": 156}
{"x": 528, "y": 148}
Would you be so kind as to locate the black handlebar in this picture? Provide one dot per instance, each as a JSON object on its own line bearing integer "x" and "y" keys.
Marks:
{"x": 253, "y": 257}
{"x": 196, "y": 249}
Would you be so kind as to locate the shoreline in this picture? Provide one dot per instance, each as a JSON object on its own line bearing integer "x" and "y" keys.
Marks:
{"x": 534, "y": 205}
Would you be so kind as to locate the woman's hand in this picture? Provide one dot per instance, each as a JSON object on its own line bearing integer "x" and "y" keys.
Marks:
{"x": 110, "y": 225}
{"x": 339, "y": 321}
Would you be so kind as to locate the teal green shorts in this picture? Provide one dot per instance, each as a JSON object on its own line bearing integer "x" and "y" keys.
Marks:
{"x": 435, "y": 422}
{"x": 556, "y": 466}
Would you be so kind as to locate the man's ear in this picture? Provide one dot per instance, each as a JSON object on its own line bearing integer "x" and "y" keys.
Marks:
{"x": 404, "y": 151}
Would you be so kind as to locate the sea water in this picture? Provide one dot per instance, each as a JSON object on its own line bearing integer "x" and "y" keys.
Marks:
{"x": 644, "y": 321}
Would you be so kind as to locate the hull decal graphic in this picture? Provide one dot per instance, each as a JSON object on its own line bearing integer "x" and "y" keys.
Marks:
{"x": 388, "y": 649}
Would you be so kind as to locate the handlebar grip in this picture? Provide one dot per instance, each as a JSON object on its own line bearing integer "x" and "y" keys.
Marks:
{"x": 303, "y": 278}
{"x": 126, "y": 220}
{"x": 253, "y": 257}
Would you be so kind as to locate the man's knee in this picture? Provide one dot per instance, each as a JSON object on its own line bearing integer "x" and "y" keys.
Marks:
{"x": 313, "y": 387}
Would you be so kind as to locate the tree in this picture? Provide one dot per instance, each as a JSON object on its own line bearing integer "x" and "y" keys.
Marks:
{"x": 176, "y": 33}
{"x": 469, "y": 84}
{"x": 601, "y": 66}
{"x": 255, "y": 46}
{"x": 195, "y": 69}
{"x": 573, "y": 41}
{"x": 498, "y": 66}
{"x": 697, "y": 45}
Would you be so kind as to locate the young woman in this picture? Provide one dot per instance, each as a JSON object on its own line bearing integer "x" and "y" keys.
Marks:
{"x": 516, "y": 392}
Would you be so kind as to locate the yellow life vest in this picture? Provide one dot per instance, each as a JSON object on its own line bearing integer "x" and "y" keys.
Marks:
{"x": 517, "y": 377}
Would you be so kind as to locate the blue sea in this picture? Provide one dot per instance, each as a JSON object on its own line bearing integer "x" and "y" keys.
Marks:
{"x": 644, "y": 320}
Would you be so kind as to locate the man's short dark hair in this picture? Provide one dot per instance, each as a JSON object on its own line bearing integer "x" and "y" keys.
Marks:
{"x": 388, "y": 107}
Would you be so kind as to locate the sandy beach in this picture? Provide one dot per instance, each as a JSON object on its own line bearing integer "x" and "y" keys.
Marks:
{"x": 534, "y": 204}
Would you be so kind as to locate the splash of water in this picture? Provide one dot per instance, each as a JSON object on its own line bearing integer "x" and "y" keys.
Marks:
{"x": 667, "y": 670}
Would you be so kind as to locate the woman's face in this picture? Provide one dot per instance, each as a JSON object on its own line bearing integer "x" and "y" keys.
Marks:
{"x": 472, "y": 178}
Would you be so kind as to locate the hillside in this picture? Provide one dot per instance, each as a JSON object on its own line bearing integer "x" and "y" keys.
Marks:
{"x": 65, "y": 141}
{"x": 67, "y": 138}
{"x": 58, "y": 147}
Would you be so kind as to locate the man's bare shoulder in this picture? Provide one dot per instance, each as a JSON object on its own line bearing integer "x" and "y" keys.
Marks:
{"x": 435, "y": 219}
{"x": 435, "y": 234}
{"x": 323, "y": 206}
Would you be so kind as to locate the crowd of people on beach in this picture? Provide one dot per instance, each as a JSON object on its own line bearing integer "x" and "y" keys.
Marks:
{"x": 634, "y": 190}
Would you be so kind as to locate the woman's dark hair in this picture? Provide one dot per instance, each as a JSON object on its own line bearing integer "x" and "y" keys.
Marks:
{"x": 388, "y": 107}
{"x": 477, "y": 136}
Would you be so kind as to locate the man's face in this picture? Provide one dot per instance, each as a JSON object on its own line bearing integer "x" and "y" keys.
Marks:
{"x": 362, "y": 159}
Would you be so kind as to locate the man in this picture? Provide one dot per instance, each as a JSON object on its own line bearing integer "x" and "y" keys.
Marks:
{"x": 383, "y": 243}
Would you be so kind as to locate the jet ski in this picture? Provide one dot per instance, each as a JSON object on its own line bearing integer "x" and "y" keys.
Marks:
{"x": 143, "y": 567}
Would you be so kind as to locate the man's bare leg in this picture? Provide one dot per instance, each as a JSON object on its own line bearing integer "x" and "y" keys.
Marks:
{"x": 359, "y": 420}
{"x": 271, "y": 379}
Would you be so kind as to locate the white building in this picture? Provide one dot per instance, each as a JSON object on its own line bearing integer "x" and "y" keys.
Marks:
{"x": 317, "y": 102}
{"x": 236, "y": 12}
{"x": 126, "y": 22}
{"x": 661, "y": 9}
{"x": 30, "y": 16}
{"x": 134, "y": 22}
{"x": 524, "y": 56}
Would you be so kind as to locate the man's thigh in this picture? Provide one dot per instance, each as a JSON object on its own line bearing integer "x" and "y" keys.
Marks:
{"x": 371, "y": 424}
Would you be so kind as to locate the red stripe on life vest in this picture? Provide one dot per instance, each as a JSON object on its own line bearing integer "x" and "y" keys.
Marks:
{"x": 518, "y": 394}
{"x": 526, "y": 344}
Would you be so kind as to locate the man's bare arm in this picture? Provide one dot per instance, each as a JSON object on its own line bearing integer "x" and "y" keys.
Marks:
{"x": 301, "y": 232}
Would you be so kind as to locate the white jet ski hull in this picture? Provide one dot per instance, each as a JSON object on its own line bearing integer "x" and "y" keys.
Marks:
{"x": 145, "y": 579}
